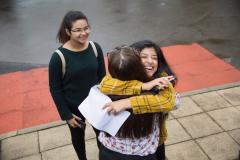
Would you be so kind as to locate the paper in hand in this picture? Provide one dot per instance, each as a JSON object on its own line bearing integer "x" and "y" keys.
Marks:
{"x": 92, "y": 109}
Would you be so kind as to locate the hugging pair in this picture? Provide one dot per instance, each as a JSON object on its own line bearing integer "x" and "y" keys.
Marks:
{"x": 141, "y": 82}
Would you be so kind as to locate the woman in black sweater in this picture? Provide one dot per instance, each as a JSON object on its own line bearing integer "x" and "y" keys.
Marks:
{"x": 84, "y": 69}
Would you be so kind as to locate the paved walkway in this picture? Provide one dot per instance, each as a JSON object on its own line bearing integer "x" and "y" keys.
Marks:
{"x": 26, "y": 101}
{"x": 206, "y": 127}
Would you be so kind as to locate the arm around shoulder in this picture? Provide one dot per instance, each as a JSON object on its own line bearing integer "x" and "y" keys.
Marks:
{"x": 113, "y": 86}
{"x": 164, "y": 101}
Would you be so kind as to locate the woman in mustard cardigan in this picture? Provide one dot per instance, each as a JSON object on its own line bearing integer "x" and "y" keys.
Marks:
{"x": 157, "y": 68}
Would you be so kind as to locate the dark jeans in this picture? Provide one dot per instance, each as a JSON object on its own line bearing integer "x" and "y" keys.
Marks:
{"x": 78, "y": 141}
{"x": 161, "y": 152}
{"x": 106, "y": 154}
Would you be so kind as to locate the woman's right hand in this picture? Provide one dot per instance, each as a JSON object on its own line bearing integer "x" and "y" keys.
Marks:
{"x": 161, "y": 82}
{"x": 73, "y": 122}
{"x": 117, "y": 106}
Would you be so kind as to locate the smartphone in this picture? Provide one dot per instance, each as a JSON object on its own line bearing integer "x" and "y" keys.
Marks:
{"x": 174, "y": 78}
{"x": 155, "y": 90}
{"x": 82, "y": 124}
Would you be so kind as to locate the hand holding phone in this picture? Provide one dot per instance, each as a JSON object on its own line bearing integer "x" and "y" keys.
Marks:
{"x": 76, "y": 121}
{"x": 82, "y": 124}
{"x": 172, "y": 78}
{"x": 165, "y": 84}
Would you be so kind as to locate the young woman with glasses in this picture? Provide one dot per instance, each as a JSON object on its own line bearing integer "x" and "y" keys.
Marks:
{"x": 84, "y": 69}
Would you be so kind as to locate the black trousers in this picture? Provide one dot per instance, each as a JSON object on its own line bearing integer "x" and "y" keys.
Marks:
{"x": 160, "y": 153}
{"x": 78, "y": 141}
{"x": 106, "y": 154}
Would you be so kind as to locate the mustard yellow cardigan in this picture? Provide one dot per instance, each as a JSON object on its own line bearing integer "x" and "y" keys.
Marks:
{"x": 162, "y": 102}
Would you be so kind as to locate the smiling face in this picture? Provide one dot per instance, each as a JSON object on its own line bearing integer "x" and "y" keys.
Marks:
{"x": 150, "y": 60}
{"x": 80, "y": 31}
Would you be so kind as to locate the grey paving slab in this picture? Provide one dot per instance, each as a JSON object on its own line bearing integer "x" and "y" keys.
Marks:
{"x": 54, "y": 137}
{"x": 228, "y": 118}
{"x": 199, "y": 125}
{"x": 66, "y": 152}
{"x": 232, "y": 95}
{"x": 220, "y": 147}
{"x": 235, "y": 134}
{"x": 188, "y": 107}
{"x": 92, "y": 149}
{"x": 176, "y": 133}
{"x": 170, "y": 116}
{"x": 238, "y": 107}
{"x": 60, "y": 136}
{"x": 32, "y": 157}
{"x": 89, "y": 133}
{"x": 188, "y": 150}
{"x": 19, "y": 146}
{"x": 210, "y": 101}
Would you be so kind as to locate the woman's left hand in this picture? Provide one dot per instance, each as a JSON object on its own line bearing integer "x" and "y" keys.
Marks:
{"x": 117, "y": 106}
{"x": 161, "y": 83}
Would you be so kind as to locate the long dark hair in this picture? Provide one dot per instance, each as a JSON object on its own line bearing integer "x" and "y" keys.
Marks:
{"x": 125, "y": 64}
{"x": 67, "y": 22}
{"x": 162, "y": 63}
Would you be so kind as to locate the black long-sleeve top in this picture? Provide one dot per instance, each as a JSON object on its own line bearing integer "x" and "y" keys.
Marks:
{"x": 83, "y": 70}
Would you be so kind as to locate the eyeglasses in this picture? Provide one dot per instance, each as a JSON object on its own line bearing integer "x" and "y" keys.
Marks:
{"x": 81, "y": 30}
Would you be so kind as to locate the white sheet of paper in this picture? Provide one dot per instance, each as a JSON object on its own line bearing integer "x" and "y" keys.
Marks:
{"x": 91, "y": 109}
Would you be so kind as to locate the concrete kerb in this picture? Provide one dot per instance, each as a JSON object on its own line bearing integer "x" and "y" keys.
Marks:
{"x": 210, "y": 89}
{"x": 32, "y": 129}
{"x": 59, "y": 123}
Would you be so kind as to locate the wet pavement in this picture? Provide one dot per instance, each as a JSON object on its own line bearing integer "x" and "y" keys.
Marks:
{"x": 28, "y": 28}
{"x": 27, "y": 40}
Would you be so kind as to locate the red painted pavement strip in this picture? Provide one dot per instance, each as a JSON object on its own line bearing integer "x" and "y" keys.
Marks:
{"x": 197, "y": 68}
{"x": 10, "y": 87}
{"x": 41, "y": 111}
{"x": 11, "y": 121}
{"x": 181, "y": 54}
{"x": 26, "y": 101}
